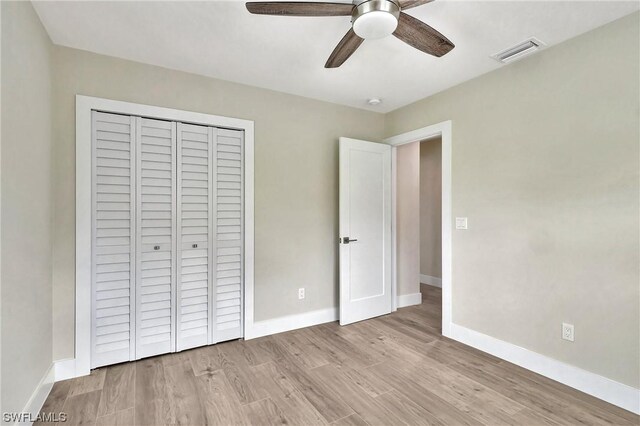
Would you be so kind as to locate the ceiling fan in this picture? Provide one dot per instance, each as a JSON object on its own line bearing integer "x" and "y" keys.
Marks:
{"x": 370, "y": 19}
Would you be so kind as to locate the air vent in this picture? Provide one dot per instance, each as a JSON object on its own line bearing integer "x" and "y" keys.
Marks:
{"x": 518, "y": 51}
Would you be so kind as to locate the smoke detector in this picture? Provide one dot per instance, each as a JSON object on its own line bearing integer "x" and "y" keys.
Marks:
{"x": 374, "y": 101}
{"x": 519, "y": 51}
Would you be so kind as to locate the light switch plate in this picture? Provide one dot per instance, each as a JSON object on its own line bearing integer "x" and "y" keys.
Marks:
{"x": 461, "y": 223}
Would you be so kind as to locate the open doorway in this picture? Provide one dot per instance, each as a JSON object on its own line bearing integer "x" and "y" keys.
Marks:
{"x": 430, "y": 235}
{"x": 419, "y": 225}
{"x": 421, "y": 199}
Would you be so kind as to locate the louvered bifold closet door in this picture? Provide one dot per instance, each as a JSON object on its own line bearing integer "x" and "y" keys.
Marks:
{"x": 156, "y": 230}
{"x": 228, "y": 258}
{"x": 113, "y": 228}
{"x": 195, "y": 299}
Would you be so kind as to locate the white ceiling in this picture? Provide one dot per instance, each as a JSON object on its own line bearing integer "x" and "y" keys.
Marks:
{"x": 222, "y": 40}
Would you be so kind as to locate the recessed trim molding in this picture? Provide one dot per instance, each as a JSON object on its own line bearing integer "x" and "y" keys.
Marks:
{"x": 608, "y": 390}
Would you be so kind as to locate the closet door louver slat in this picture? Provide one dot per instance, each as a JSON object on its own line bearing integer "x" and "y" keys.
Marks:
{"x": 113, "y": 228}
{"x": 156, "y": 230}
{"x": 228, "y": 232}
{"x": 194, "y": 301}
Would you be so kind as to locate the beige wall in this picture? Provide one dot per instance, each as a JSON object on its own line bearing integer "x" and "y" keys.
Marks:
{"x": 546, "y": 168}
{"x": 296, "y": 175}
{"x": 26, "y": 204}
{"x": 408, "y": 218}
{"x": 431, "y": 208}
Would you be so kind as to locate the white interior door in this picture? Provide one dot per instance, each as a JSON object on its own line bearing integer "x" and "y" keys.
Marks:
{"x": 195, "y": 236}
{"x": 365, "y": 230}
{"x": 156, "y": 238}
{"x": 228, "y": 207}
{"x": 113, "y": 242}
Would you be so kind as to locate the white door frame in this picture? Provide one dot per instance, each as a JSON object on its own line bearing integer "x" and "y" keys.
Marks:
{"x": 443, "y": 130}
{"x": 80, "y": 365}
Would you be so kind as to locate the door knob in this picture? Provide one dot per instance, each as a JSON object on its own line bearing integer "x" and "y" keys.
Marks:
{"x": 347, "y": 240}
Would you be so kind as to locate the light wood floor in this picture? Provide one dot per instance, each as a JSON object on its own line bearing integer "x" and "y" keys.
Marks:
{"x": 391, "y": 370}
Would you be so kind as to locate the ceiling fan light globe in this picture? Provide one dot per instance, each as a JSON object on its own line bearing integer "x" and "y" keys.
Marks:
{"x": 375, "y": 24}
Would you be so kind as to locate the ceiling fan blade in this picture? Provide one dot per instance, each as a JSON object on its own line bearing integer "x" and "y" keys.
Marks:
{"x": 421, "y": 36}
{"x": 349, "y": 43}
{"x": 408, "y": 4}
{"x": 300, "y": 8}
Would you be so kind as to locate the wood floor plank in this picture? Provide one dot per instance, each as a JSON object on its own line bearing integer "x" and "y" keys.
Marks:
{"x": 337, "y": 350}
{"x": 306, "y": 351}
{"x": 243, "y": 383}
{"x": 364, "y": 357}
{"x": 421, "y": 396}
{"x": 461, "y": 391}
{"x": 408, "y": 412}
{"x": 323, "y": 398}
{"x": 57, "y": 397}
{"x": 118, "y": 392}
{"x": 329, "y": 404}
{"x": 90, "y": 383}
{"x": 286, "y": 396}
{"x": 175, "y": 358}
{"x": 119, "y": 418}
{"x": 151, "y": 404}
{"x": 387, "y": 348}
{"x": 206, "y": 359}
{"x": 352, "y": 420}
{"x": 234, "y": 354}
{"x": 532, "y": 417}
{"x": 265, "y": 412}
{"x": 253, "y": 352}
{"x": 221, "y": 407}
{"x": 525, "y": 392}
{"x": 82, "y": 409}
{"x": 186, "y": 405}
{"x": 371, "y": 384}
{"x": 370, "y": 410}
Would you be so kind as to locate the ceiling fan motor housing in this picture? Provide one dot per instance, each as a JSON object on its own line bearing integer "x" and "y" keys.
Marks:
{"x": 373, "y": 19}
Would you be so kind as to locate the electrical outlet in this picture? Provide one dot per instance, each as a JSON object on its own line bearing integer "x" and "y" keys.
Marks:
{"x": 567, "y": 332}
{"x": 461, "y": 223}
{"x": 301, "y": 293}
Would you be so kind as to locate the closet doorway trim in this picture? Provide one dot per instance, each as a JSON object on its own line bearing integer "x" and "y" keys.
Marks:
{"x": 80, "y": 365}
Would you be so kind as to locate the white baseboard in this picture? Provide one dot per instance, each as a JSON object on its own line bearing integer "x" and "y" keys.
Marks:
{"x": 39, "y": 396}
{"x": 405, "y": 300}
{"x": 309, "y": 319}
{"x": 616, "y": 393}
{"x": 65, "y": 369}
{"x": 429, "y": 280}
{"x": 290, "y": 322}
